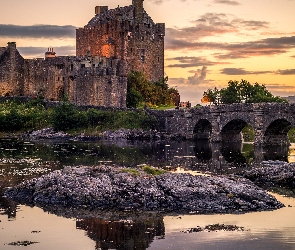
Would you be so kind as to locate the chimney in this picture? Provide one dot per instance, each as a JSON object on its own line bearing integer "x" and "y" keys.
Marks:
{"x": 101, "y": 9}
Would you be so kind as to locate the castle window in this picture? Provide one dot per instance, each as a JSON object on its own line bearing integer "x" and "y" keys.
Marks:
{"x": 82, "y": 66}
{"x": 131, "y": 50}
{"x": 72, "y": 67}
{"x": 158, "y": 59}
{"x": 142, "y": 38}
{"x": 142, "y": 58}
{"x": 63, "y": 78}
{"x": 93, "y": 65}
{"x": 58, "y": 79}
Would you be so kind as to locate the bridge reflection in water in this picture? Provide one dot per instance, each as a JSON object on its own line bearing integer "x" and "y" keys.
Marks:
{"x": 221, "y": 158}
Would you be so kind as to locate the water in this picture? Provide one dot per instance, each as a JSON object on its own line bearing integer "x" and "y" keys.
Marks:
{"x": 55, "y": 229}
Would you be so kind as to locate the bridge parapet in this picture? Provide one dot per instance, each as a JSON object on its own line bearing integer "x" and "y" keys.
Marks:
{"x": 270, "y": 121}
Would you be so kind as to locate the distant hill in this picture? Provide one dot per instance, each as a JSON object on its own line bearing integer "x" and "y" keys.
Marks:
{"x": 291, "y": 99}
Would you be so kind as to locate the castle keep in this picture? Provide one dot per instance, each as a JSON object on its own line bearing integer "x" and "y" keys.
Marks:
{"x": 113, "y": 43}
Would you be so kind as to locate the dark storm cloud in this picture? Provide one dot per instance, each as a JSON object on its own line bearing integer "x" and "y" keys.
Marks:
{"x": 40, "y": 51}
{"x": 241, "y": 71}
{"x": 190, "y": 61}
{"x": 228, "y": 2}
{"x": 37, "y": 31}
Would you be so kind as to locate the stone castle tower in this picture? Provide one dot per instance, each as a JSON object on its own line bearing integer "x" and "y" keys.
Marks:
{"x": 126, "y": 33}
{"x": 113, "y": 43}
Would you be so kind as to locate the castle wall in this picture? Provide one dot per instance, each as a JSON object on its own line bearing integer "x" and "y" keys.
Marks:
{"x": 129, "y": 34}
{"x": 84, "y": 81}
{"x": 111, "y": 45}
{"x": 145, "y": 50}
{"x": 11, "y": 73}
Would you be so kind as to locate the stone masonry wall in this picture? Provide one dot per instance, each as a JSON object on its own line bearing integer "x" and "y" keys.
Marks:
{"x": 11, "y": 72}
{"x": 270, "y": 122}
{"x": 85, "y": 81}
{"x": 112, "y": 44}
{"x": 126, "y": 33}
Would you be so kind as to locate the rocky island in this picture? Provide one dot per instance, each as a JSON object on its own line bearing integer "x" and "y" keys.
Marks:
{"x": 123, "y": 189}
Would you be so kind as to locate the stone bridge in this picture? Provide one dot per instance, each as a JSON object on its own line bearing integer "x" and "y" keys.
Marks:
{"x": 217, "y": 123}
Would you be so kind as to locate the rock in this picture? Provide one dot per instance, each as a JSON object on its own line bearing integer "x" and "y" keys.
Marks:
{"x": 273, "y": 173}
{"x": 47, "y": 133}
{"x": 139, "y": 134}
{"x": 125, "y": 134}
{"x": 108, "y": 187}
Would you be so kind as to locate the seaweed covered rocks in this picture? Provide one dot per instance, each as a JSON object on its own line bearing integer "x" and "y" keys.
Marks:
{"x": 106, "y": 187}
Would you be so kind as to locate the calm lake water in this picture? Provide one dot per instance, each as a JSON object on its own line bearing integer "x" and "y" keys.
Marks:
{"x": 54, "y": 229}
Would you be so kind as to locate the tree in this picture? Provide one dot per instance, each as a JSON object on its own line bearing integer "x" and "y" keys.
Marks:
{"x": 231, "y": 94}
{"x": 211, "y": 95}
{"x": 243, "y": 91}
{"x": 140, "y": 90}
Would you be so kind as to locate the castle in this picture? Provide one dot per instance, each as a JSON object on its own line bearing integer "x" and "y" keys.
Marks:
{"x": 113, "y": 43}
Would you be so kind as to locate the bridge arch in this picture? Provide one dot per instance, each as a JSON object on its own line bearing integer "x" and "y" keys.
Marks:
{"x": 202, "y": 130}
{"x": 231, "y": 132}
{"x": 277, "y": 132}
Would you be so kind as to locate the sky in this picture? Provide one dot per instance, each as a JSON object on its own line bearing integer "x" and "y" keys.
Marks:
{"x": 207, "y": 42}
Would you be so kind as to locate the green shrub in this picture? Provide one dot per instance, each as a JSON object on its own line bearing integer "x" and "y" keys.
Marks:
{"x": 66, "y": 116}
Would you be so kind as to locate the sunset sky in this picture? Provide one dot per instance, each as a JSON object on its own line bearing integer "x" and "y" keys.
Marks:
{"x": 207, "y": 42}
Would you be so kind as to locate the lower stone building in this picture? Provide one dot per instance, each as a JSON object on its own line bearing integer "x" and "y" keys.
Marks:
{"x": 86, "y": 80}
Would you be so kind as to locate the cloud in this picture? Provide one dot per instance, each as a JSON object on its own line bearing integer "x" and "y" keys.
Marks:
{"x": 40, "y": 51}
{"x": 285, "y": 72}
{"x": 211, "y": 24}
{"x": 268, "y": 46}
{"x": 198, "y": 78}
{"x": 215, "y": 24}
{"x": 158, "y": 2}
{"x": 263, "y": 47}
{"x": 37, "y": 31}
{"x": 190, "y": 61}
{"x": 227, "y": 2}
{"x": 241, "y": 71}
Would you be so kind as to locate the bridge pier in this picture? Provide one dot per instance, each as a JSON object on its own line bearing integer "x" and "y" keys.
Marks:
{"x": 216, "y": 127}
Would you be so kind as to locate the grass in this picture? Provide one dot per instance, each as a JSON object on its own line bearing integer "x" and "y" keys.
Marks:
{"x": 66, "y": 117}
{"x": 132, "y": 171}
{"x": 153, "y": 171}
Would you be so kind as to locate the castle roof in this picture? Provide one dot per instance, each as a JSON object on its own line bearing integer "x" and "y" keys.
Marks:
{"x": 122, "y": 13}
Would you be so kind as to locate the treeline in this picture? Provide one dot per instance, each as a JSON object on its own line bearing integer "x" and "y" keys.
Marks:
{"x": 16, "y": 116}
{"x": 237, "y": 92}
{"x": 142, "y": 92}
